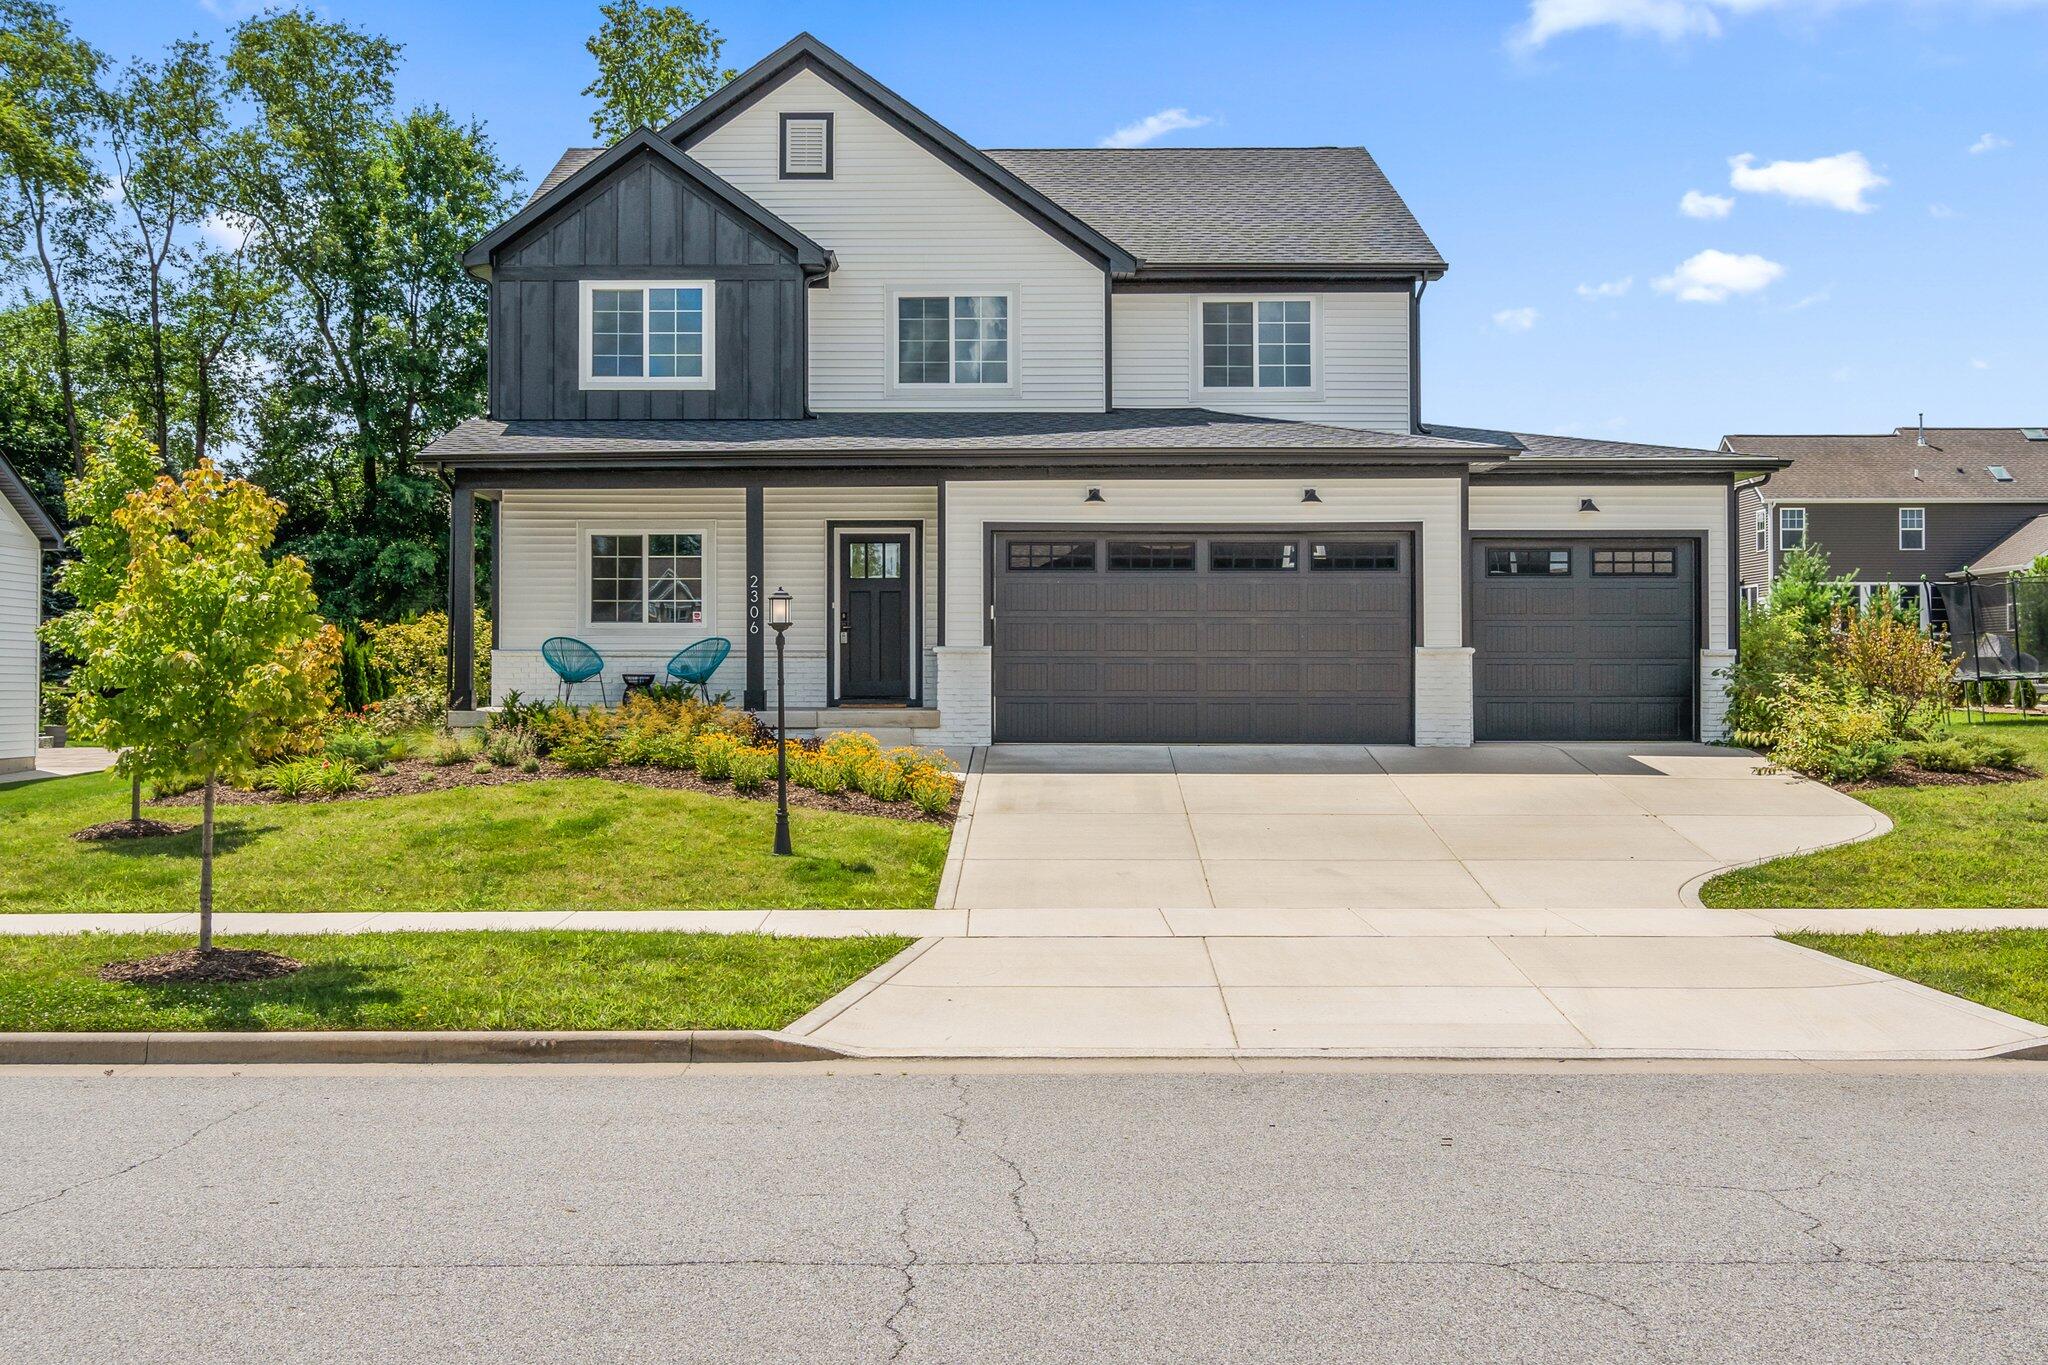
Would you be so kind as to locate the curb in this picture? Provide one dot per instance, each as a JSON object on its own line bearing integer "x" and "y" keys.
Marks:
{"x": 137, "y": 1049}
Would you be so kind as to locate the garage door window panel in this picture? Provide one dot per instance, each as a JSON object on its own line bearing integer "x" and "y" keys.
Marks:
{"x": 1354, "y": 556}
{"x": 1056, "y": 555}
{"x": 1237, "y": 556}
{"x": 1151, "y": 555}
{"x": 1546, "y": 561}
{"x": 1635, "y": 563}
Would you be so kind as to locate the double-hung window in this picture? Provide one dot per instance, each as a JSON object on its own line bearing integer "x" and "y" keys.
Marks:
{"x": 648, "y": 334}
{"x": 1763, "y": 527}
{"x": 647, "y": 578}
{"x": 1912, "y": 528}
{"x": 1258, "y": 344}
{"x": 1791, "y": 527}
{"x": 953, "y": 339}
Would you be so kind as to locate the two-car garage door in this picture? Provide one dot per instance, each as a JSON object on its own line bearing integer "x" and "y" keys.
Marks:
{"x": 1203, "y": 636}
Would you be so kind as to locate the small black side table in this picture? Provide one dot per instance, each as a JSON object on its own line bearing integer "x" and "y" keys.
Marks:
{"x": 636, "y": 682}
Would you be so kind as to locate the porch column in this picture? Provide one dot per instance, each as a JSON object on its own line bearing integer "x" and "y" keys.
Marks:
{"x": 462, "y": 598}
{"x": 755, "y": 698}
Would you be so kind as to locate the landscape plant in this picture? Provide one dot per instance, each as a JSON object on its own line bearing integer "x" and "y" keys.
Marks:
{"x": 210, "y": 651}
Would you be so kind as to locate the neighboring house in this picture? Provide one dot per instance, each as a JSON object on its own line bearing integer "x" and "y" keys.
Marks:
{"x": 1904, "y": 508}
{"x": 1061, "y": 444}
{"x": 26, "y": 533}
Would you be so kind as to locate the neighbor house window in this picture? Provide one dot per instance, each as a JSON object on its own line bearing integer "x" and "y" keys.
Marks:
{"x": 1257, "y": 344}
{"x": 953, "y": 339}
{"x": 652, "y": 335}
{"x": 1763, "y": 527}
{"x": 1791, "y": 527}
{"x": 1912, "y": 528}
{"x": 1533, "y": 562}
{"x": 650, "y": 578}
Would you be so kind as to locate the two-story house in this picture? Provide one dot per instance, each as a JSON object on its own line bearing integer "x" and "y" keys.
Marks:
{"x": 1904, "y": 509}
{"x": 1052, "y": 444}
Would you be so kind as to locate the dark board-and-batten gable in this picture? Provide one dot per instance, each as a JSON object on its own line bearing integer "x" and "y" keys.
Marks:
{"x": 643, "y": 211}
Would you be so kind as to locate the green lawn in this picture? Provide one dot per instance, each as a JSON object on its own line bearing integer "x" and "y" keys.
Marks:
{"x": 572, "y": 844}
{"x": 546, "y": 979}
{"x": 1951, "y": 847}
{"x": 2006, "y": 969}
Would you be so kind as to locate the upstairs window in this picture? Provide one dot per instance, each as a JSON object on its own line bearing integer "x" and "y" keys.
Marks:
{"x": 1763, "y": 527}
{"x": 1912, "y": 528}
{"x": 1258, "y": 344}
{"x": 655, "y": 334}
{"x": 953, "y": 339}
{"x": 806, "y": 146}
{"x": 1791, "y": 527}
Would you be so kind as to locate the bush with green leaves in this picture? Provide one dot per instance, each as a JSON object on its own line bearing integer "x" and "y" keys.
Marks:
{"x": 584, "y": 753}
{"x": 827, "y": 773}
{"x": 1960, "y": 751}
{"x": 298, "y": 778}
{"x": 1884, "y": 656}
{"x": 713, "y": 754}
{"x": 882, "y": 779}
{"x": 509, "y": 748}
{"x": 933, "y": 791}
{"x": 446, "y": 750}
{"x": 1844, "y": 736}
{"x": 752, "y": 769}
{"x": 359, "y": 744}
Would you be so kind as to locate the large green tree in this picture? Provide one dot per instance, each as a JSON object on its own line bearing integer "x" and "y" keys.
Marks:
{"x": 653, "y": 62}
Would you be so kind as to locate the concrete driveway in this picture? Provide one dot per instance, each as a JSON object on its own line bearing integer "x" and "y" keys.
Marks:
{"x": 1513, "y": 826}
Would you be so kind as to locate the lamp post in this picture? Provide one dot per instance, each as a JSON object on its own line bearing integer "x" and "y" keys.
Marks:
{"x": 778, "y": 621}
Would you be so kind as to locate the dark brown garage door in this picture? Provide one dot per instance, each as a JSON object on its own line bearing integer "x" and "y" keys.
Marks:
{"x": 1170, "y": 635}
{"x": 1584, "y": 639}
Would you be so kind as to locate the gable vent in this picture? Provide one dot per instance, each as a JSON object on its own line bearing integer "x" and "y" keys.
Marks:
{"x": 806, "y": 146}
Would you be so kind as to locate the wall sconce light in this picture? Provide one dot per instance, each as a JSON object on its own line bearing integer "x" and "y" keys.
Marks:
{"x": 1309, "y": 495}
{"x": 1094, "y": 495}
{"x": 1588, "y": 505}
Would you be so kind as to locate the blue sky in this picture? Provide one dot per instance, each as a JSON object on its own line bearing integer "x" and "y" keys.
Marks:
{"x": 1546, "y": 145}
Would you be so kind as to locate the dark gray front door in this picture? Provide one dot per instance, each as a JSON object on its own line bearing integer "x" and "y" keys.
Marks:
{"x": 1584, "y": 639}
{"x": 874, "y": 617}
{"x": 1196, "y": 636}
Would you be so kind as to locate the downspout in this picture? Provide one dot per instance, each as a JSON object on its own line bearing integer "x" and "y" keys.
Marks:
{"x": 1415, "y": 355}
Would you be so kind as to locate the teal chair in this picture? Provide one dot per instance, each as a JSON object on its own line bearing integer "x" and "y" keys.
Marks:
{"x": 574, "y": 662}
{"x": 693, "y": 665}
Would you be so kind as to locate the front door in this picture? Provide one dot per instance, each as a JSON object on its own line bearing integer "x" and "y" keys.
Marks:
{"x": 874, "y": 617}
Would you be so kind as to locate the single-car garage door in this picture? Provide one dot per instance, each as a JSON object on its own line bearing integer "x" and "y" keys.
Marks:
{"x": 1168, "y": 635}
{"x": 1584, "y": 639}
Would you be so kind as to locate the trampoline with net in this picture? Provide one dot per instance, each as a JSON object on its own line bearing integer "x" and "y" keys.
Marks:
{"x": 1998, "y": 628}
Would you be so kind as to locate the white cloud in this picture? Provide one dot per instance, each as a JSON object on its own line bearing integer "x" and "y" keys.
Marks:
{"x": 1607, "y": 289}
{"x": 1980, "y": 364}
{"x": 225, "y": 230}
{"x": 1805, "y": 301}
{"x": 1675, "y": 21}
{"x": 1712, "y": 276}
{"x": 1839, "y": 181}
{"x": 1941, "y": 211}
{"x": 1697, "y": 205}
{"x": 1515, "y": 319}
{"x": 1990, "y": 142}
{"x": 1153, "y": 127}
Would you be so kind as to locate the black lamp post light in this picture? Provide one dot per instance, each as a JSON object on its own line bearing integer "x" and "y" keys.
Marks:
{"x": 778, "y": 621}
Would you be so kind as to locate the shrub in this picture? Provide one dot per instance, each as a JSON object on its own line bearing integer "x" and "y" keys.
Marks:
{"x": 852, "y": 747}
{"x": 932, "y": 792}
{"x": 529, "y": 765}
{"x": 1887, "y": 659}
{"x": 413, "y": 655}
{"x": 446, "y": 750}
{"x": 510, "y": 747}
{"x": 357, "y": 743}
{"x": 1845, "y": 737}
{"x": 333, "y": 777}
{"x": 584, "y": 753}
{"x": 881, "y": 779}
{"x": 670, "y": 751}
{"x": 1961, "y": 752}
{"x": 827, "y": 773}
{"x": 752, "y": 769}
{"x": 406, "y": 711}
{"x": 291, "y": 780}
{"x": 1775, "y": 646}
{"x": 713, "y": 754}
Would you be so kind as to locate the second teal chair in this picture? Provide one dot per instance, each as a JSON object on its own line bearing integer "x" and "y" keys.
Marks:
{"x": 694, "y": 664}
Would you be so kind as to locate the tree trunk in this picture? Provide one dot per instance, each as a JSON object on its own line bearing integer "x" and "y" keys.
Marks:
{"x": 206, "y": 868}
{"x": 135, "y": 799}
{"x": 64, "y": 387}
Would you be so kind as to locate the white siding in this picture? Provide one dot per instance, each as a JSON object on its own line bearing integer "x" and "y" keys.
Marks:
{"x": 1699, "y": 509}
{"x": 971, "y": 508}
{"x": 543, "y": 577}
{"x": 21, "y": 596}
{"x": 898, "y": 217}
{"x": 1361, "y": 360}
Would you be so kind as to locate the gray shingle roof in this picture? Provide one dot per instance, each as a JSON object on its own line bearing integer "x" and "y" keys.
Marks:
{"x": 1216, "y": 206}
{"x": 921, "y": 433}
{"x": 1530, "y": 448}
{"x": 14, "y": 489}
{"x": 1954, "y": 463}
{"x": 2016, "y": 551}
{"x": 571, "y": 161}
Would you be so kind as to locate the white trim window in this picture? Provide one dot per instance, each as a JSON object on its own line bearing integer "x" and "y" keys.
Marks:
{"x": 1791, "y": 527}
{"x": 1763, "y": 526}
{"x": 943, "y": 340}
{"x": 1257, "y": 344}
{"x": 651, "y": 578}
{"x": 1912, "y": 528}
{"x": 647, "y": 334}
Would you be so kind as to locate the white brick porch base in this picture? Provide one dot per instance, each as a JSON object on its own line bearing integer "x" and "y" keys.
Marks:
{"x": 1714, "y": 666}
{"x": 964, "y": 698}
{"x": 1443, "y": 697}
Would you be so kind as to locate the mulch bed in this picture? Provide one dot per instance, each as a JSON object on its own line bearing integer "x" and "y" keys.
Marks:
{"x": 144, "y": 828}
{"x": 191, "y": 966}
{"x": 411, "y": 776}
{"x": 1907, "y": 774}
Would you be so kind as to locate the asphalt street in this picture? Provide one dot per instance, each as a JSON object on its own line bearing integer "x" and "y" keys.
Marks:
{"x": 935, "y": 1213}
